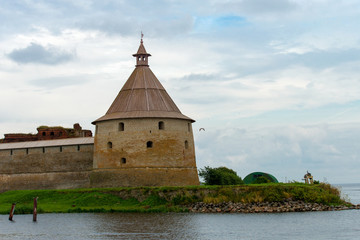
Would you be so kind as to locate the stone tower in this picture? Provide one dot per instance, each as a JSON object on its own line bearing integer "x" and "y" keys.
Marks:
{"x": 143, "y": 139}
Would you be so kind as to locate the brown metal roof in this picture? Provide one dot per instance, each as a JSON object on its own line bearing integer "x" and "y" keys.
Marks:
{"x": 143, "y": 96}
{"x": 141, "y": 50}
{"x": 48, "y": 143}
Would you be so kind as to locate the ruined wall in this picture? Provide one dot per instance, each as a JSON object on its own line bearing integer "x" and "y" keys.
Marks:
{"x": 46, "y": 167}
{"x": 19, "y": 137}
{"x": 142, "y": 152}
{"x": 47, "y": 133}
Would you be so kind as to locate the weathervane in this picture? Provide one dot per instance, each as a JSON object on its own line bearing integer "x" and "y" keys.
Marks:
{"x": 142, "y": 35}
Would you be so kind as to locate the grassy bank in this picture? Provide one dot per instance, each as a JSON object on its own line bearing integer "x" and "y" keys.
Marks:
{"x": 162, "y": 199}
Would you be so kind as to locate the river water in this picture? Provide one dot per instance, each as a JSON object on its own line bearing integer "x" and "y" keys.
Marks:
{"x": 308, "y": 225}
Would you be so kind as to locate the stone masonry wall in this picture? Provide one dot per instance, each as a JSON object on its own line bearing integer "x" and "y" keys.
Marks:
{"x": 46, "y": 168}
{"x": 124, "y": 144}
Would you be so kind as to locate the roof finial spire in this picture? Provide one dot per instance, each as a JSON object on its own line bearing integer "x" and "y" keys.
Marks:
{"x": 142, "y": 35}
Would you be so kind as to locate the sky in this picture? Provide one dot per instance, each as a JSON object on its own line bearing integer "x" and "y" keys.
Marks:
{"x": 275, "y": 84}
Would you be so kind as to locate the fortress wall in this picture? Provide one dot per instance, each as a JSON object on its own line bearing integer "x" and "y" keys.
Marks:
{"x": 168, "y": 162}
{"x": 137, "y": 177}
{"x": 168, "y": 144}
{"x": 48, "y": 167}
{"x": 54, "y": 180}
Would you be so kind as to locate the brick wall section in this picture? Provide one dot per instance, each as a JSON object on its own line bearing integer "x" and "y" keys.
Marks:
{"x": 18, "y": 137}
{"x": 47, "y": 133}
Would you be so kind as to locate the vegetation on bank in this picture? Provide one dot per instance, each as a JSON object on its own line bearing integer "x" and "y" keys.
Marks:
{"x": 162, "y": 199}
{"x": 220, "y": 176}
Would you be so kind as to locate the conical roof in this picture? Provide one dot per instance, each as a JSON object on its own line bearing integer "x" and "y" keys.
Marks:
{"x": 143, "y": 96}
{"x": 141, "y": 50}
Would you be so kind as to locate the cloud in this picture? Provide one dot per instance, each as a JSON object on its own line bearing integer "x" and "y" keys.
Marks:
{"x": 36, "y": 53}
{"x": 325, "y": 59}
{"x": 57, "y": 82}
{"x": 261, "y": 8}
{"x": 264, "y": 6}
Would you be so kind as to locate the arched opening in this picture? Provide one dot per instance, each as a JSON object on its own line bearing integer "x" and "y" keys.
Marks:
{"x": 161, "y": 125}
{"x": 109, "y": 145}
{"x": 186, "y": 144}
{"x": 123, "y": 160}
{"x": 44, "y": 133}
{"x": 149, "y": 144}
{"x": 52, "y": 134}
{"x": 121, "y": 126}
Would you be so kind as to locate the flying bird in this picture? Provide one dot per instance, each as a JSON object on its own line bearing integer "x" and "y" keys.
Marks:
{"x": 201, "y": 129}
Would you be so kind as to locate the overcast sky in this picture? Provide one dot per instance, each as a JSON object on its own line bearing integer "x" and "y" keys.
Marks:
{"x": 275, "y": 84}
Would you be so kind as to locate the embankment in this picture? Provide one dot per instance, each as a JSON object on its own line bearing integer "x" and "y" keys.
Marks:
{"x": 244, "y": 198}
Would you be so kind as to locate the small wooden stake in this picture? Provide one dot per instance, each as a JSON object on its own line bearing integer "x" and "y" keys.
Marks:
{"x": 12, "y": 211}
{"x": 35, "y": 209}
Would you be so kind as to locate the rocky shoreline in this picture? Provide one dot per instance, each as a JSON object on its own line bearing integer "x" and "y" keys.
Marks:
{"x": 265, "y": 207}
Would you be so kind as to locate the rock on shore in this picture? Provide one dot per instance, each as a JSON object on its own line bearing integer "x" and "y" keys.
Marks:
{"x": 264, "y": 207}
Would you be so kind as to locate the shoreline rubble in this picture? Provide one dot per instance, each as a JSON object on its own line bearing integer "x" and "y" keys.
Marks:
{"x": 265, "y": 207}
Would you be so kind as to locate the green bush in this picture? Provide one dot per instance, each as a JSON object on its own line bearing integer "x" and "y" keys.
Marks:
{"x": 220, "y": 176}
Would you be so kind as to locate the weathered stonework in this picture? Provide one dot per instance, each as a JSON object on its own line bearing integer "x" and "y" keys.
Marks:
{"x": 46, "y": 167}
{"x": 47, "y": 133}
{"x": 170, "y": 160}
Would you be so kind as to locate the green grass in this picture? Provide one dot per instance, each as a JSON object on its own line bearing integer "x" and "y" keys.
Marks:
{"x": 161, "y": 199}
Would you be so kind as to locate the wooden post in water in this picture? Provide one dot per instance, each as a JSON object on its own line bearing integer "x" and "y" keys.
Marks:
{"x": 35, "y": 209}
{"x": 12, "y": 211}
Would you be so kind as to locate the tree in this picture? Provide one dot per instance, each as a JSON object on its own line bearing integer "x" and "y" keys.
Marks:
{"x": 220, "y": 176}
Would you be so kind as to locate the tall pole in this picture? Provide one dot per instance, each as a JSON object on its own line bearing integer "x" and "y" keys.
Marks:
{"x": 12, "y": 211}
{"x": 35, "y": 209}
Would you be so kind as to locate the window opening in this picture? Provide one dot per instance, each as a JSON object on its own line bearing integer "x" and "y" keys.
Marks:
{"x": 60, "y": 148}
{"x": 78, "y": 147}
{"x": 186, "y": 144}
{"x": 52, "y": 134}
{"x": 149, "y": 144}
{"x": 121, "y": 126}
{"x": 11, "y": 152}
{"x": 43, "y": 150}
{"x": 109, "y": 145}
{"x": 44, "y": 133}
{"x": 123, "y": 160}
{"x": 161, "y": 125}
{"x": 27, "y": 151}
